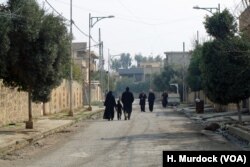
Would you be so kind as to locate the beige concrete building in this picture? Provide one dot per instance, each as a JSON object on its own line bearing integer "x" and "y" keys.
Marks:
{"x": 178, "y": 58}
{"x": 151, "y": 67}
{"x": 81, "y": 58}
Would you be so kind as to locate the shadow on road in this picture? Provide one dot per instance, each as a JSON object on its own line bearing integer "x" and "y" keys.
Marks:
{"x": 161, "y": 136}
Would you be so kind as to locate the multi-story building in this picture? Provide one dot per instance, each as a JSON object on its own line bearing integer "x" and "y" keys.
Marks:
{"x": 182, "y": 60}
{"x": 80, "y": 56}
{"x": 178, "y": 58}
{"x": 143, "y": 72}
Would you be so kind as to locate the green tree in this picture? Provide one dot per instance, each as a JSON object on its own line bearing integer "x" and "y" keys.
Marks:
{"x": 4, "y": 40}
{"x": 78, "y": 74}
{"x": 158, "y": 58}
{"x": 134, "y": 87}
{"x": 221, "y": 25}
{"x": 150, "y": 59}
{"x": 194, "y": 72}
{"x": 126, "y": 60}
{"x": 122, "y": 84}
{"x": 38, "y": 50}
{"x": 225, "y": 63}
{"x": 138, "y": 59}
{"x": 161, "y": 81}
{"x": 116, "y": 64}
{"x": 53, "y": 55}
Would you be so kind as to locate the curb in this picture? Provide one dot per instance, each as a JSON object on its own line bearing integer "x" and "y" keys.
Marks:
{"x": 238, "y": 131}
{"x": 242, "y": 133}
{"x": 21, "y": 143}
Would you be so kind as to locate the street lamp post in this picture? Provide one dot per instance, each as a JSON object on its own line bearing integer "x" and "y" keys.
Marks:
{"x": 92, "y": 22}
{"x": 209, "y": 9}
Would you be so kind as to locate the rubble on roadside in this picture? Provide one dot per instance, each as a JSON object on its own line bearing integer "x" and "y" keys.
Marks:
{"x": 228, "y": 123}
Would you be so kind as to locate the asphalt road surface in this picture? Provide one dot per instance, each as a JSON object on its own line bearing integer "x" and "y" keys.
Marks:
{"x": 138, "y": 142}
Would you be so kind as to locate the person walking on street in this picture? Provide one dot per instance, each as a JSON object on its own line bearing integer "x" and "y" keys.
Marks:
{"x": 142, "y": 98}
{"x": 127, "y": 100}
{"x": 151, "y": 99}
{"x": 164, "y": 99}
{"x": 119, "y": 109}
{"x": 109, "y": 104}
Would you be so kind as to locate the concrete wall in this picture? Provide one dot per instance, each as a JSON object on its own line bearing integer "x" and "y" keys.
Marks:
{"x": 229, "y": 107}
{"x": 14, "y": 104}
{"x": 60, "y": 98}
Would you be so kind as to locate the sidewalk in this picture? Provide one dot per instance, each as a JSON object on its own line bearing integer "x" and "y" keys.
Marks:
{"x": 228, "y": 121}
{"x": 15, "y": 136}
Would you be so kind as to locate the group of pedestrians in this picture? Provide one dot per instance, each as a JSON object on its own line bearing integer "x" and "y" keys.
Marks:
{"x": 151, "y": 99}
{"x": 110, "y": 105}
{"x": 125, "y": 103}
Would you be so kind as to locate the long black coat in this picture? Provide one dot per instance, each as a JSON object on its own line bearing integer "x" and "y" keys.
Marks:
{"x": 151, "y": 98}
{"x": 109, "y": 106}
{"x": 127, "y": 100}
{"x": 142, "y": 98}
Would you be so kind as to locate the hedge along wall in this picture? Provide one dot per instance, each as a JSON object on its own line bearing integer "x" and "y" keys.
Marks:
{"x": 14, "y": 104}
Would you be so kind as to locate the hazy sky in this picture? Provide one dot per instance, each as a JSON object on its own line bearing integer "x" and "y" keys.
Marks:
{"x": 149, "y": 27}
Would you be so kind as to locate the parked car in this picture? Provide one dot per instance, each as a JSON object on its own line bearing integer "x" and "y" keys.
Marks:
{"x": 174, "y": 99}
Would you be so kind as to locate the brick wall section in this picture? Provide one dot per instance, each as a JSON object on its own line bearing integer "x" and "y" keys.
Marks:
{"x": 14, "y": 104}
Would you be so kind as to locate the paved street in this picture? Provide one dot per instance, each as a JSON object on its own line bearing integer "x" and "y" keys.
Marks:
{"x": 138, "y": 142}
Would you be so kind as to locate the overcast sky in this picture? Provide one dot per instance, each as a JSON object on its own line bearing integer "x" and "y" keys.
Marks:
{"x": 149, "y": 27}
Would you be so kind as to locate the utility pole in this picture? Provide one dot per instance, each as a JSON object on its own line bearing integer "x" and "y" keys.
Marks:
{"x": 89, "y": 72}
{"x": 100, "y": 60}
{"x": 101, "y": 63}
{"x": 71, "y": 61}
{"x": 183, "y": 73}
{"x": 92, "y": 22}
{"x": 108, "y": 67}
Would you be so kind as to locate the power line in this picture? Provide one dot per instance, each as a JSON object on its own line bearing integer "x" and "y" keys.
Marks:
{"x": 73, "y": 22}
{"x": 134, "y": 18}
{"x": 80, "y": 30}
{"x": 56, "y": 10}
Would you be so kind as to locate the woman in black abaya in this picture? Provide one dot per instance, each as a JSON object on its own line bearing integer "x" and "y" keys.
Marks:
{"x": 109, "y": 106}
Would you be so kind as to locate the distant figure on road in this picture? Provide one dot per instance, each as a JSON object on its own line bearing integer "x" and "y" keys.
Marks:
{"x": 151, "y": 99}
{"x": 164, "y": 99}
{"x": 109, "y": 106}
{"x": 142, "y": 98}
{"x": 119, "y": 109}
{"x": 127, "y": 100}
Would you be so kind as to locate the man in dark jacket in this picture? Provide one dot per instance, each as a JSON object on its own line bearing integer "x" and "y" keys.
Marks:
{"x": 142, "y": 98}
{"x": 127, "y": 100}
{"x": 151, "y": 99}
{"x": 164, "y": 99}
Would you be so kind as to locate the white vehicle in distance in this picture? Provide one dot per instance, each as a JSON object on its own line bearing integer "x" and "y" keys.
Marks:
{"x": 174, "y": 96}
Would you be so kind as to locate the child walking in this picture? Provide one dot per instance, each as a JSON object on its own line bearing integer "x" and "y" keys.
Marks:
{"x": 119, "y": 109}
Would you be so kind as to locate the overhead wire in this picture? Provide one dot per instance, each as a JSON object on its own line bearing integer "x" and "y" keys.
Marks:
{"x": 73, "y": 23}
{"x": 56, "y": 11}
{"x": 134, "y": 18}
